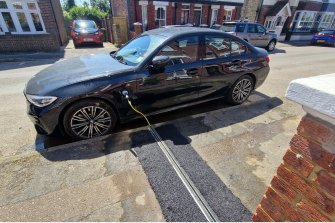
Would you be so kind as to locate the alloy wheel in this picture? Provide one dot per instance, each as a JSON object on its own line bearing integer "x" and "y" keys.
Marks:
{"x": 242, "y": 90}
{"x": 91, "y": 121}
{"x": 272, "y": 45}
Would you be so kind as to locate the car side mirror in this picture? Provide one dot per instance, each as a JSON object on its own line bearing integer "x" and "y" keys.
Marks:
{"x": 160, "y": 62}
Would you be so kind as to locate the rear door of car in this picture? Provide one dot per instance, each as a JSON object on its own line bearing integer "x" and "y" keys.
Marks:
{"x": 178, "y": 82}
{"x": 224, "y": 62}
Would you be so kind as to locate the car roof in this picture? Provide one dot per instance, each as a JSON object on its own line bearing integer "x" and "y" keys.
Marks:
{"x": 239, "y": 22}
{"x": 176, "y": 31}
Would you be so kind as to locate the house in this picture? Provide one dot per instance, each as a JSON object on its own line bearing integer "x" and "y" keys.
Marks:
{"x": 294, "y": 19}
{"x": 31, "y": 25}
{"x": 154, "y": 14}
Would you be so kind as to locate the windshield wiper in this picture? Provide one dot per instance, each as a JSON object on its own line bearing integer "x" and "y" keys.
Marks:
{"x": 120, "y": 59}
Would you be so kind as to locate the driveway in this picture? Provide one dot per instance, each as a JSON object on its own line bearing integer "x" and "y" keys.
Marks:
{"x": 238, "y": 148}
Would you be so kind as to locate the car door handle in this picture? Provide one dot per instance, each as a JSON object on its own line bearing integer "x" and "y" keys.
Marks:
{"x": 192, "y": 71}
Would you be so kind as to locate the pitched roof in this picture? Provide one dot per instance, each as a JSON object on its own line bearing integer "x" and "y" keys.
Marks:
{"x": 277, "y": 7}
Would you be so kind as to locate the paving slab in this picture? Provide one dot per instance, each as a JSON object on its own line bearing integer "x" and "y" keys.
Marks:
{"x": 79, "y": 181}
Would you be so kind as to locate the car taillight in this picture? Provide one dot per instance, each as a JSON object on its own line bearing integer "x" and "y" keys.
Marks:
{"x": 267, "y": 58}
{"x": 333, "y": 36}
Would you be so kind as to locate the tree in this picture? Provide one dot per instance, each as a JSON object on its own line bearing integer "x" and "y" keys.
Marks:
{"x": 87, "y": 13}
{"x": 85, "y": 4}
{"x": 68, "y": 4}
{"x": 102, "y": 5}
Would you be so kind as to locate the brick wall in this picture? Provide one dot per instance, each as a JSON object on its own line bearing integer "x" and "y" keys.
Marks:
{"x": 16, "y": 43}
{"x": 119, "y": 8}
{"x": 304, "y": 187}
{"x": 54, "y": 24}
{"x": 60, "y": 23}
{"x": 309, "y": 5}
{"x": 264, "y": 11}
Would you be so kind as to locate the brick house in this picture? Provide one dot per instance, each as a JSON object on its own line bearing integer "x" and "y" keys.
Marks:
{"x": 154, "y": 14}
{"x": 293, "y": 19}
{"x": 31, "y": 25}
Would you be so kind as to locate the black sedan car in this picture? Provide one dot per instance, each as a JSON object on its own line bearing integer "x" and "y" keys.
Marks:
{"x": 160, "y": 70}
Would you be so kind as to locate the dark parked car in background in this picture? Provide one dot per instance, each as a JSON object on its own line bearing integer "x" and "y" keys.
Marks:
{"x": 326, "y": 37}
{"x": 160, "y": 70}
{"x": 254, "y": 33}
{"x": 86, "y": 31}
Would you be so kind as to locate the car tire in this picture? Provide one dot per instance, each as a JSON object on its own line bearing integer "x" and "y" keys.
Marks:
{"x": 271, "y": 46}
{"x": 101, "y": 44}
{"x": 235, "y": 95}
{"x": 89, "y": 118}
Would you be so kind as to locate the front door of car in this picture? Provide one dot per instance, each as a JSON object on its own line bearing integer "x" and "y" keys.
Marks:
{"x": 263, "y": 37}
{"x": 178, "y": 82}
{"x": 252, "y": 34}
{"x": 223, "y": 63}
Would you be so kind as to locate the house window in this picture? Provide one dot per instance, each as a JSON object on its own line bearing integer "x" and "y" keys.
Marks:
{"x": 305, "y": 21}
{"x": 20, "y": 17}
{"x": 160, "y": 16}
{"x": 197, "y": 15}
{"x": 214, "y": 18}
{"x": 326, "y": 21}
{"x": 144, "y": 17}
{"x": 228, "y": 14}
{"x": 185, "y": 14}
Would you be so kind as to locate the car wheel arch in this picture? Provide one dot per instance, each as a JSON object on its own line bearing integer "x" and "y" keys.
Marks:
{"x": 104, "y": 99}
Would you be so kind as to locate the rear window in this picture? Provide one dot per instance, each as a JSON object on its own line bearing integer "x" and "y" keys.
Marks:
{"x": 85, "y": 24}
{"x": 233, "y": 27}
{"x": 228, "y": 27}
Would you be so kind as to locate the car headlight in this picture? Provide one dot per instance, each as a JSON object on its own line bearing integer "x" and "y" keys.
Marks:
{"x": 40, "y": 101}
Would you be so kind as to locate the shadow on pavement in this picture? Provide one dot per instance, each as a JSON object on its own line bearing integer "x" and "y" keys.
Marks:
{"x": 63, "y": 148}
{"x": 277, "y": 50}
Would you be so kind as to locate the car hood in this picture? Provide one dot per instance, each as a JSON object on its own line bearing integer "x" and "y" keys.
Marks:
{"x": 72, "y": 71}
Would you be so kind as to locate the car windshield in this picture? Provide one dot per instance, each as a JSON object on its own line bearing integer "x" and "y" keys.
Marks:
{"x": 85, "y": 24}
{"x": 228, "y": 27}
{"x": 138, "y": 49}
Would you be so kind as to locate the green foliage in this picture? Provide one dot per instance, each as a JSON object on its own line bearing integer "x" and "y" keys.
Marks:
{"x": 102, "y": 5}
{"x": 68, "y": 4}
{"x": 86, "y": 13}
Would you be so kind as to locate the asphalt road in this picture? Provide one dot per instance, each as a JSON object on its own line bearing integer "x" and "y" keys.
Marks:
{"x": 236, "y": 148}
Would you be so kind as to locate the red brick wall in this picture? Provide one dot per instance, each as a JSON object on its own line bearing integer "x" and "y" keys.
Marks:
{"x": 151, "y": 15}
{"x": 54, "y": 24}
{"x": 312, "y": 6}
{"x": 17, "y": 43}
{"x": 192, "y": 13}
{"x": 178, "y": 13}
{"x": 220, "y": 14}
{"x": 264, "y": 11}
{"x": 63, "y": 38}
{"x": 169, "y": 14}
{"x": 304, "y": 186}
{"x": 206, "y": 19}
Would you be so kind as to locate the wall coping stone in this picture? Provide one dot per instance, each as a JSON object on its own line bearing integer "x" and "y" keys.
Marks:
{"x": 316, "y": 95}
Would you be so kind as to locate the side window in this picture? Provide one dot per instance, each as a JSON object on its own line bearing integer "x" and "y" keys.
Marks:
{"x": 221, "y": 47}
{"x": 240, "y": 28}
{"x": 260, "y": 29}
{"x": 217, "y": 47}
{"x": 182, "y": 50}
{"x": 252, "y": 28}
{"x": 237, "y": 48}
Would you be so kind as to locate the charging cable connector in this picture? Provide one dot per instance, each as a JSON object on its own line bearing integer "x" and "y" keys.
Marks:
{"x": 125, "y": 94}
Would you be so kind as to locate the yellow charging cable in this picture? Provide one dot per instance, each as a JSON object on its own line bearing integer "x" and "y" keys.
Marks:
{"x": 137, "y": 111}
